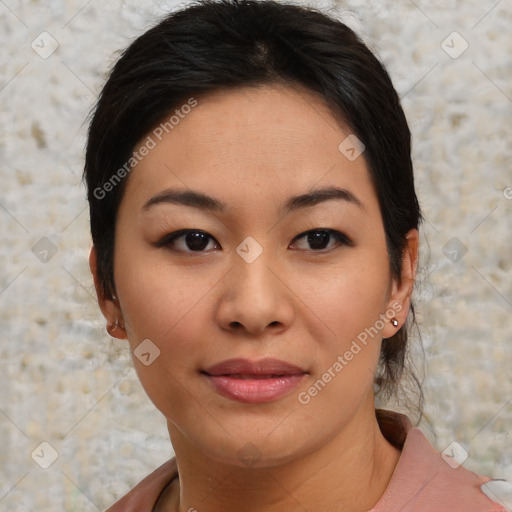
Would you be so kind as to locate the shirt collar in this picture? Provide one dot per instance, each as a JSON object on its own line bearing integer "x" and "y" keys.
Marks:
{"x": 424, "y": 479}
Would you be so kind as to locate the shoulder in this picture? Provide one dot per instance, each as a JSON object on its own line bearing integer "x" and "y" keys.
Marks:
{"x": 425, "y": 480}
{"x": 442, "y": 484}
{"x": 143, "y": 497}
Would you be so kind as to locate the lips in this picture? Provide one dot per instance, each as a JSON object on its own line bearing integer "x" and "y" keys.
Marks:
{"x": 254, "y": 381}
{"x": 243, "y": 368}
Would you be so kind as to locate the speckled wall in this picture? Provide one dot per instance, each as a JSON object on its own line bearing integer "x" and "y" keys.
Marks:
{"x": 66, "y": 383}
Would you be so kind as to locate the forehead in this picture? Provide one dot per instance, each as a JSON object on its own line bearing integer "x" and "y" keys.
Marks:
{"x": 250, "y": 144}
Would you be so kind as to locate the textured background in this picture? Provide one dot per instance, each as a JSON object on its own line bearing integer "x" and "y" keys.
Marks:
{"x": 65, "y": 382}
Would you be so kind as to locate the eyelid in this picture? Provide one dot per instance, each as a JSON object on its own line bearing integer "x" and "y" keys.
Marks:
{"x": 342, "y": 237}
{"x": 170, "y": 237}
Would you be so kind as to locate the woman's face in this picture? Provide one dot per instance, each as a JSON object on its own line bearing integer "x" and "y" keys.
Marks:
{"x": 248, "y": 282}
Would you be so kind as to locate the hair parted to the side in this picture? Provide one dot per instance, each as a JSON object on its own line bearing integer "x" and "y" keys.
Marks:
{"x": 214, "y": 45}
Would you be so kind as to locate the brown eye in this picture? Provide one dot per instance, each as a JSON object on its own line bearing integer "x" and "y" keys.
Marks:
{"x": 321, "y": 239}
{"x": 186, "y": 240}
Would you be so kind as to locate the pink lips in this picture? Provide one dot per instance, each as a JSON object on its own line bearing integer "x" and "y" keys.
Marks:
{"x": 254, "y": 381}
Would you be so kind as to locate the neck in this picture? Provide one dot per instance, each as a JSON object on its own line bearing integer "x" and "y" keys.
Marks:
{"x": 348, "y": 473}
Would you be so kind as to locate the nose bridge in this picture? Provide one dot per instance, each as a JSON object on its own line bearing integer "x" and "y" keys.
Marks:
{"x": 254, "y": 281}
{"x": 254, "y": 297}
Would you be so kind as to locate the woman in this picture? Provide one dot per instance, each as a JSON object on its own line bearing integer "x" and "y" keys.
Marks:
{"x": 255, "y": 239}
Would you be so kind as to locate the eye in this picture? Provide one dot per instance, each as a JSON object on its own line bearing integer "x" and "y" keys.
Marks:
{"x": 190, "y": 240}
{"x": 320, "y": 238}
{"x": 186, "y": 240}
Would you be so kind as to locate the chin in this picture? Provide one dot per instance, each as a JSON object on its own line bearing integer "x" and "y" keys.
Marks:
{"x": 257, "y": 448}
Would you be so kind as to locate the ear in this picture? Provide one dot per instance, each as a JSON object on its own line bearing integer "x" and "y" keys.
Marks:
{"x": 399, "y": 300}
{"x": 109, "y": 305}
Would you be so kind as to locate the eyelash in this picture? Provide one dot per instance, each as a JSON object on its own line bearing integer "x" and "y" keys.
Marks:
{"x": 168, "y": 239}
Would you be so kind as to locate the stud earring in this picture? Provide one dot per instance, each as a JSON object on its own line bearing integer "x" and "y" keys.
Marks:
{"x": 115, "y": 326}
{"x": 394, "y": 321}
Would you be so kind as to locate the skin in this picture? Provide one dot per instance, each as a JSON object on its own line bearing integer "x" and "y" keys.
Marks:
{"x": 253, "y": 148}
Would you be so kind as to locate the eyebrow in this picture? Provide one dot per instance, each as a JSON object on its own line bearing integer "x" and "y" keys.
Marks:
{"x": 195, "y": 199}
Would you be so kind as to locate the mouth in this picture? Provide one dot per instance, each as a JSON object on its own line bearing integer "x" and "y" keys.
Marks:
{"x": 254, "y": 381}
{"x": 248, "y": 376}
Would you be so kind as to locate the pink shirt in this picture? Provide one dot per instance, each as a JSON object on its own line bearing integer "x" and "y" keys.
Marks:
{"x": 423, "y": 481}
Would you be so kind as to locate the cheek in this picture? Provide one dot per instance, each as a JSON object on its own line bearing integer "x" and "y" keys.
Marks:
{"x": 349, "y": 300}
{"x": 165, "y": 308}
{"x": 159, "y": 301}
{"x": 156, "y": 296}
{"x": 171, "y": 307}
{"x": 348, "y": 297}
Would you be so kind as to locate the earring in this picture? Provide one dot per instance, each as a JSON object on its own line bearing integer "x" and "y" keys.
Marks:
{"x": 394, "y": 321}
{"x": 111, "y": 327}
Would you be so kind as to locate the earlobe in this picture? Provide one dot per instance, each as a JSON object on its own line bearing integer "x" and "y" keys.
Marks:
{"x": 116, "y": 330}
{"x": 109, "y": 305}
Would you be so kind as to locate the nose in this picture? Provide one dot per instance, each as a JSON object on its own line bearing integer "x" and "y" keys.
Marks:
{"x": 255, "y": 298}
